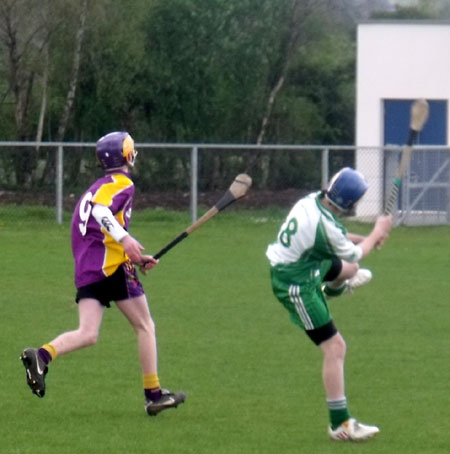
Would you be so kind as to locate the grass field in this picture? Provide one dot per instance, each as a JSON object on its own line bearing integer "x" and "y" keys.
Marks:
{"x": 252, "y": 377}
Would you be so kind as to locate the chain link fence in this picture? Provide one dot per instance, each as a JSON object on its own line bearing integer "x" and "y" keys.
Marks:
{"x": 50, "y": 177}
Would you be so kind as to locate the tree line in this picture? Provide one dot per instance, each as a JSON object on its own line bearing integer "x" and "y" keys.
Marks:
{"x": 203, "y": 71}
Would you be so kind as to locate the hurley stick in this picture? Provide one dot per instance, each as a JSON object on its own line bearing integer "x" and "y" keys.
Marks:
{"x": 419, "y": 115}
{"x": 236, "y": 191}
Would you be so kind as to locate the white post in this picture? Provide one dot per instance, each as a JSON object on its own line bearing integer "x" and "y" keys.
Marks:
{"x": 59, "y": 184}
{"x": 194, "y": 183}
{"x": 325, "y": 168}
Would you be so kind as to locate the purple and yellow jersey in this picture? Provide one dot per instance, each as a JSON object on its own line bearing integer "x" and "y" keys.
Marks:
{"x": 97, "y": 255}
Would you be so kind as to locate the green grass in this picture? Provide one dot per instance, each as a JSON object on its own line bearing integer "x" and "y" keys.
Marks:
{"x": 252, "y": 377}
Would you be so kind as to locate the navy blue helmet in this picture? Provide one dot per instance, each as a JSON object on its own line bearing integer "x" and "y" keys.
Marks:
{"x": 346, "y": 188}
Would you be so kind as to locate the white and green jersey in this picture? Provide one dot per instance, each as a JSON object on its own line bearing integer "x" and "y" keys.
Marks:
{"x": 310, "y": 234}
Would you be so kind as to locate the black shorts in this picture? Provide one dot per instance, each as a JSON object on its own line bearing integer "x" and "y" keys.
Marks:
{"x": 323, "y": 333}
{"x": 121, "y": 285}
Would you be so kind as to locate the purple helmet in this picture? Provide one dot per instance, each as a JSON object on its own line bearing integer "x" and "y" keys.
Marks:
{"x": 346, "y": 188}
{"x": 115, "y": 150}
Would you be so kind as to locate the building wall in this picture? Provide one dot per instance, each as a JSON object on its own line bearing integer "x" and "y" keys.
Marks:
{"x": 395, "y": 60}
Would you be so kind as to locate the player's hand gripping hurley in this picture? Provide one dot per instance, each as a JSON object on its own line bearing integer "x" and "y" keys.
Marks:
{"x": 419, "y": 115}
{"x": 236, "y": 191}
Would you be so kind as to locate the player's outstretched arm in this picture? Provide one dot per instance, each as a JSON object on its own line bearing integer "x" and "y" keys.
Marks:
{"x": 355, "y": 238}
{"x": 134, "y": 249}
{"x": 378, "y": 235}
{"x": 131, "y": 246}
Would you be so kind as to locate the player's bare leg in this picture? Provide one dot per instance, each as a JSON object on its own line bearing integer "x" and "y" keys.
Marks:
{"x": 36, "y": 360}
{"x": 346, "y": 428}
{"x": 90, "y": 313}
{"x": 347, "y": 272}
{"x": 350, "y": 277}
{"x": 333, "y": 366}
{"x": 156, "y": 399}
{"x": 138, "y": 314}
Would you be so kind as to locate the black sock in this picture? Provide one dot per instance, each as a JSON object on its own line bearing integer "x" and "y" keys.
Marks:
{"x": 44, "y": 355}
{"x": 153, "y": 394}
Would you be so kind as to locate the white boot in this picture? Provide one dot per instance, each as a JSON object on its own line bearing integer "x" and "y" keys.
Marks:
{"x": 352, "y": 430}
{"x": 363, "y": 276}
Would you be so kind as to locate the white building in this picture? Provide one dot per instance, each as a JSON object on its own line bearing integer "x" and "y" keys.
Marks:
{"x": 397, "y": 62}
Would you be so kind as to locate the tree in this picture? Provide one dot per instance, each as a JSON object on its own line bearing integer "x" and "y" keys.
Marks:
{"x": 26, "y": 30}
{"x": 239, "y": 71}
{"x": 77, "y": 53}
{"x": 23, "y": 36}
{"x": 63, "y": 123}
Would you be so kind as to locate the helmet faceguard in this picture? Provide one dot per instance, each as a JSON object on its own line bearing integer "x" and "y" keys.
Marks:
{"x": 115, "y": 150}
{"x": 345, "y": 189}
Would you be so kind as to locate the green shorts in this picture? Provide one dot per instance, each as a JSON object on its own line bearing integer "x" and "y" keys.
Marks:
{"x": 299, "y": 291}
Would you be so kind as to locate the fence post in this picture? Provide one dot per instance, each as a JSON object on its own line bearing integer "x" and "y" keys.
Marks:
{"x": 59, "y": 184}
{"x": 194, "y": 183}
{"x": 325, "y": 168}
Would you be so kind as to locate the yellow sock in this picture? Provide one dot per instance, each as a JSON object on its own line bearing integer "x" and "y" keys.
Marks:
{"x": 51, "y": 350}
{"x": 151, "y": 381}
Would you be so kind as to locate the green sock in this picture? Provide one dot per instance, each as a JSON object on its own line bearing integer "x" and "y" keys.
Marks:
{"x": 329, "y": 291}
{"x": 338, "y": 412}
